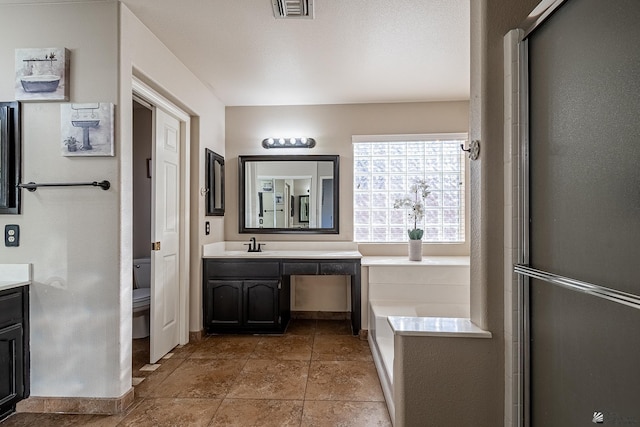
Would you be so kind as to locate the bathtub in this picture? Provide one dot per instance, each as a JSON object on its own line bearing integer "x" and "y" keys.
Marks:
{"x": 418, "y": 295}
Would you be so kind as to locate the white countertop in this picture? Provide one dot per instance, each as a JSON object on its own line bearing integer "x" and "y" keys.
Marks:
{"x": 304, "y": 250}
{"x": 455, "y": 327}
{"x": 10, "y": 284}
{"x": 404, "y": 261}
{"x": 14, "y": 275}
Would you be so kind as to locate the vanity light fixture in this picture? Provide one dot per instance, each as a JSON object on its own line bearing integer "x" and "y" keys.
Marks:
{"x": 288, "y": 143}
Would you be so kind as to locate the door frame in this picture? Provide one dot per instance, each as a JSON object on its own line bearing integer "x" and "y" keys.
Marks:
{"x": 516, "y": 224}
{"x": 145, "y": 92}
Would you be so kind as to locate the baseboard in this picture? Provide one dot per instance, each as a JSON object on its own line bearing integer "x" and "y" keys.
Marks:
{"x": 195, "y": 336}
{"x": 321, "y": 315}
{"x": 76, "y": 405}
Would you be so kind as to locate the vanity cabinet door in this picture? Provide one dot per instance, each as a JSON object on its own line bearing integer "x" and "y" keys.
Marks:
{"x": 261, "y": 303}
{"x": 11, "y": 368}
{"x": 223, "y": 304}
{"x": 14, "y": 348}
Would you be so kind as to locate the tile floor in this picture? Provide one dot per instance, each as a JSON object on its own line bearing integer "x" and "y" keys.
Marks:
{"x": 317, "y": 374}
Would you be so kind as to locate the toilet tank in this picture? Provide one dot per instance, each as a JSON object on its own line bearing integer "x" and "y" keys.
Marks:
{"x": 142, "y": 272}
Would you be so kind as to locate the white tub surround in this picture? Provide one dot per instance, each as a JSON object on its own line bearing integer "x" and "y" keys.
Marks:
{"x": 316, "y": 250}
{"x": 448, "y": 327}
{"x": 417, "y": 299}
{"x": 14, "y": 275}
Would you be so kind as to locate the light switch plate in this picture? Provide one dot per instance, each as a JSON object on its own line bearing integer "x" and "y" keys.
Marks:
{"x": 12, "y": 235}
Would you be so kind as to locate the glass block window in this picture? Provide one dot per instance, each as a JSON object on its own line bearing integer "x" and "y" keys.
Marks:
{"x": 385, "y": 167}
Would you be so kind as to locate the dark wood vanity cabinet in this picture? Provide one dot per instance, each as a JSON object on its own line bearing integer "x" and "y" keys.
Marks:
{"x": 248, "y": 295}
{"x": 14, "y": 348}
{"x": 245, "y": 297}
{"x": 223, "y": 304}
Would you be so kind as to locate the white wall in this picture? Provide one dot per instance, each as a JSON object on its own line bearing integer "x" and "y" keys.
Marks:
{"x": 79, "y": 240}
{"x": 70, "y": 235}
{"x": 332, "y": 126}
{"x": 143, "y": 55}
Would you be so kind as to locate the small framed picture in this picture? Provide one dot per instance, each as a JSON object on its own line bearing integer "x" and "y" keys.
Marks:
{"x": 86, "y": 129}
{"x": 42, "y": 74}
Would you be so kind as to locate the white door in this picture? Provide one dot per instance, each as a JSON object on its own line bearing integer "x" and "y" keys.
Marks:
{"x": 165, "y": 217}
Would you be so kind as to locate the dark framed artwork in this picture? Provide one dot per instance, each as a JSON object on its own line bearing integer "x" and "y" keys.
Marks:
{"x": 214, "y": 181}
{"x": 303, "y": 209}
{"x": 10, "y": 160}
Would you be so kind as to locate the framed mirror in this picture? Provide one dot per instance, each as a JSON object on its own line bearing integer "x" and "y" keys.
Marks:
{"x": 214, "y": 179}
{"x": 271, "y": 185}
{"x": 10, "y": 162}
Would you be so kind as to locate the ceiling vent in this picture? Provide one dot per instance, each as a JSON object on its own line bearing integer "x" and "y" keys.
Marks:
{"x": 292, "y": 9}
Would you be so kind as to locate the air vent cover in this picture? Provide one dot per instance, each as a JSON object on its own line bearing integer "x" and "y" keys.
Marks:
{"x": 292, "y": 9}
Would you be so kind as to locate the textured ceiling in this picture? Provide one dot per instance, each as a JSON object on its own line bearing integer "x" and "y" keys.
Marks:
{"x": 354, "y": 51}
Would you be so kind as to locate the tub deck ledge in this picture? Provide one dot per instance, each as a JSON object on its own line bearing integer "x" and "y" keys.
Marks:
{"x": 452, "y": 327}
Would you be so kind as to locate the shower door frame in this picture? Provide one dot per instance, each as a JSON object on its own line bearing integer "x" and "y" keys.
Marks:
{"x": 520, "y": 141}
{"x": 521, "y": 230}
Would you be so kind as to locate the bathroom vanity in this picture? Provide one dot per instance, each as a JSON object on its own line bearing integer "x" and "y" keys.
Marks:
{"x": 243, "y": 295}
{"x": 14, "y": 338}
{"x": 246, "y": 292}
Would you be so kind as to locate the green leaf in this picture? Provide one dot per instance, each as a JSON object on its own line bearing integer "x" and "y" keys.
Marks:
{"x": 415, "y": 234}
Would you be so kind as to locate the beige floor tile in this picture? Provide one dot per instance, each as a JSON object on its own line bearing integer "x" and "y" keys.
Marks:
{"x": 249, "y": 381}
{"x": 155, "y": 378}
{"x": 183, "y": 351}
{"x": 225, "y": 347}
{"x": 341, "y": 347}
{"x": 344, "y": 380}
{"x": 263, "y": 413}
{"x": 172, "y": 412}
{"x": 288, "y": 347}
{"x": 301, "y": 327}
{"x": 269, "y": 379}
{"x": 200, "y": 378}
{"x": 333, "y": 327}
{"x": 352, "y": 414}
{"x": 24, "y": 419}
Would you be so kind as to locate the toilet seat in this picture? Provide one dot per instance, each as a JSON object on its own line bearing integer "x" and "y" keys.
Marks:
{"x": 141, "y": 297}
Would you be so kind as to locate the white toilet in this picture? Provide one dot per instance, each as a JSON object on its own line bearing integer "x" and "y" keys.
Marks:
{"x": 141, "y": 297}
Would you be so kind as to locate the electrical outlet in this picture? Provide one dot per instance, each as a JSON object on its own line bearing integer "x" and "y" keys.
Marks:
{"x": 207, "y": 228}
{"x": 12, "y": 235}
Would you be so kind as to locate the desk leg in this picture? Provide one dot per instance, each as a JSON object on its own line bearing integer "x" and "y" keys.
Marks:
{"x": 355, "y": 304}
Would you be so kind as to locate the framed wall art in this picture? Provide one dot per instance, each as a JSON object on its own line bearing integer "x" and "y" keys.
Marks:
{"x": 42, "y": 74}
{"x": 86, "y": 129}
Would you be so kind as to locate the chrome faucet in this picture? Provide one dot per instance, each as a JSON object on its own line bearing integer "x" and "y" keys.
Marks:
{"x": 253, "y": 246}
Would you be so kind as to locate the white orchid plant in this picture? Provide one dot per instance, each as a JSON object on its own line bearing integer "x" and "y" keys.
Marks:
{"x": 415, "y": 204}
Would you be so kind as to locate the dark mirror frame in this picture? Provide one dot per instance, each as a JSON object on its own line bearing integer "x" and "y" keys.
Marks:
{"x": 10, "y": 161}
{"x": 214, "y": 187}
{"x": 242, "y": 160}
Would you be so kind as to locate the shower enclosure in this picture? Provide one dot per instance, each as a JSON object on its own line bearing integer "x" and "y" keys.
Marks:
{"x": 582, "y": 213}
